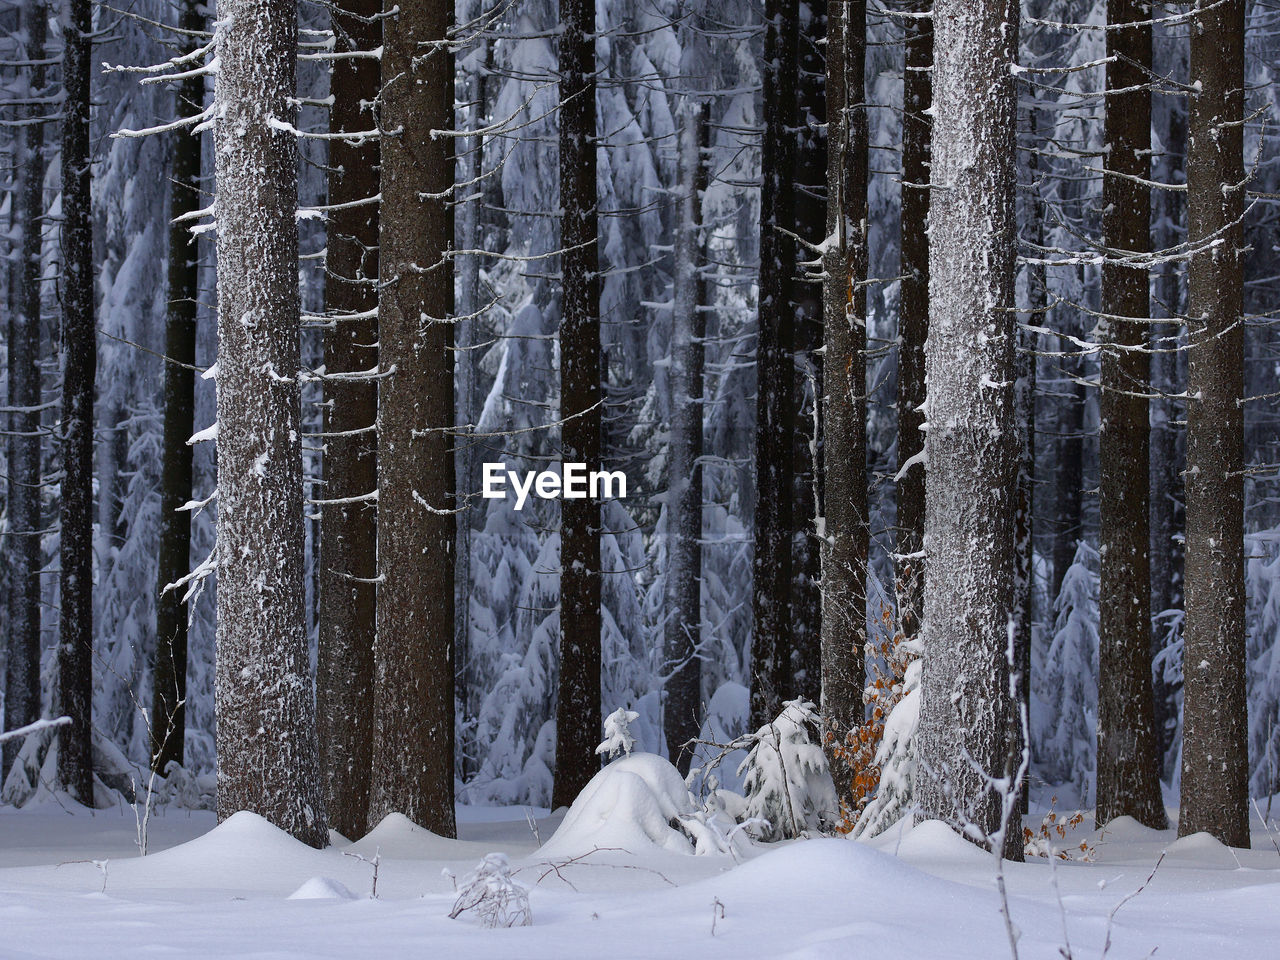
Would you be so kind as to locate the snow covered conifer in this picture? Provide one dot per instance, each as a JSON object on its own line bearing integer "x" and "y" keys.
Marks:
{"x": 617, "y": 733}
{"x": 785, "y": 776}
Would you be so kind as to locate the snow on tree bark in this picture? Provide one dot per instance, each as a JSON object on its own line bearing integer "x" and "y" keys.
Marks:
{"x": 971, "y": 442}
{"x": 80, "y": 351}
{"x": 169, "y": 679}
{"x": 913, "y": 314}
{"x": 845, "y": 533}
{"x": 266, "y": 729}
{"x": 1128, "y": 771}
{"x": 578, "y": 703}
{"x": 413, "y": 741}
{"x": 1215, "y": 762}
{"x": 682, "y": 633}
{"x": 772, "y": 566}
{"x": 22, "y": 677}
{"x": 349, "y": 528}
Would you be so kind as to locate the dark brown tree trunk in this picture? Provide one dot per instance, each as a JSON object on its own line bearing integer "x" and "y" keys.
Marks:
{"x": 971, "y": 446}
{"x": 349, "y": 524}
{"x": 913, "y": 316}
{"x": 169, "y": 684}
{"x": 1128, "y": 774}
{"x": 266, "y": 726}
{"x": 413, "y": 743}
{"x": 22, "y": 680}
{"x": 79, "y": 369}
{"x": 1215, "y": 761}
{"x": 808, "y": 222}
{"x": 578, "y": 704}
{"x": 682, "y": 712}
{"x": 772, "y": 638}
{"x": 845, "y": 532}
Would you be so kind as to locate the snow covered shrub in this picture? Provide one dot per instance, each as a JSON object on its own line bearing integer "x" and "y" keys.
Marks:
{"x": 493, "y": 896}
{"x": 785, "y": 776}
{"x": 617, "y": 733}
{"x": 888, "y": 659}
{"x": 1064, "y": 681}
{"x": 895, "y": 758}
{"x": 1040, "y": 843}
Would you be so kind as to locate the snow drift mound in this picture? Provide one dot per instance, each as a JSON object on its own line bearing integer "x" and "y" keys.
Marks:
{"x": 632, "y": 804}
{"x": 322, "y": 888}
{"x": 399, "y": 838}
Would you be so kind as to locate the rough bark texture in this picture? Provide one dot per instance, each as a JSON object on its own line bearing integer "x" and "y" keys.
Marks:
{"x": 1128, "y": 774}
{"x": 79, "y": 367}
{"x": 578, "y": 704}
{"x": 169, "y": 683}
{"x": 22, "y": 679}
{"x": 771, "y": 639}
{"x": 1215, "y": 762}
{"x": 349, "y": 530}
{"x": 682, "y": 712}
{"x": 266, "y": 727}
{"x": 845, "y": 531}
{"x": 413, "y": 653}
{"x": 809, "y": 222}
{"x": 971, "y": 444}
{"x": 913, "y": 316}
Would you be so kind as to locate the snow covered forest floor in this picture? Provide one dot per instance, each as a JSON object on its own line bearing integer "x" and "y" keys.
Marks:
{"x": 245, "y": 889}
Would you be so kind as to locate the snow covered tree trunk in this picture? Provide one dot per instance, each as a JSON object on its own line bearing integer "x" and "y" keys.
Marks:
{"x": 79, "y": 368}
{"x": 971, "y": 443}
{"x": 1128, "y": 773}
{"x": 22, "y": 679}
{"x": 771, "y": 637}
{"x": 913, "y": 315}
{"x": 349, "y": 529}
{"x": 845, "y": 531}
{"x": 1215, "y": 762}
{"x": 169, "y": 679}
{"x": 413, "y": 653}
{"x": 266, "y": 725}
{"x": 578, "y": 704}
{"x": 682, "y": 633}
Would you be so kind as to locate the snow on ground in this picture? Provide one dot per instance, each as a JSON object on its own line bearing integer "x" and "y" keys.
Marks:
{"x": 244, "y": 889}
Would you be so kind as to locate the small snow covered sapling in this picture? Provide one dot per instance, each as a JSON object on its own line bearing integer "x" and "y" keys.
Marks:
{"x": 493, "y": 896}
{"x": 785, "y": 776}
{"x": 617, "y": 733}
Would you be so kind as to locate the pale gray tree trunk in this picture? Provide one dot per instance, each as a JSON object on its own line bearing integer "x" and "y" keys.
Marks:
{"x": 413, "y": 656}
{"x": 971, "y": 444}
{"x": 1215, "y": 758}
{"x": 1128, "y": 775}
{"x": 266, "y": 724}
